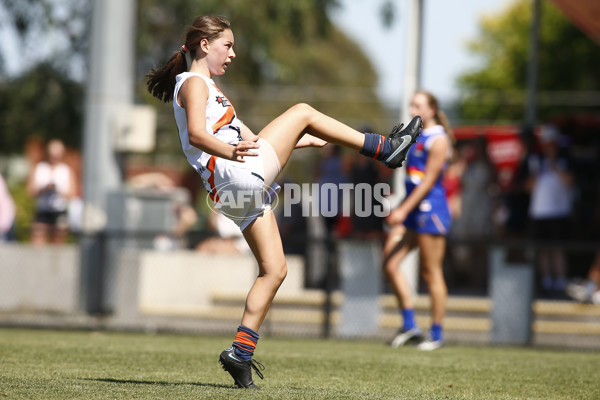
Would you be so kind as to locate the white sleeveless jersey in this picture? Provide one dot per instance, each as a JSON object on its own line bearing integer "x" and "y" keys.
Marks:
{"x": 221, "y": 121}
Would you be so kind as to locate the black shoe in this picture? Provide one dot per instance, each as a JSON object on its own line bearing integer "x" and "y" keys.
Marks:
{"x": 240, "y": 371}
{"x": 401, "y": 140}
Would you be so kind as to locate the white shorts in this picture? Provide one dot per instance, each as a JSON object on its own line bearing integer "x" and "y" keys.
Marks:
{"x": 244, "y": 191}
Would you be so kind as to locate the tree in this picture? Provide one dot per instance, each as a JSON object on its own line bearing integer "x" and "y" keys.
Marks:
{"x": 43, "y": 99}
{"x": 286, "y": 52}
{"x": 277, "y": 43}
{"x": 44, "y": 103}
{"x": 259, "y": 25}
{"x": 49, "y": 32}
{"x": 568, "y": 62}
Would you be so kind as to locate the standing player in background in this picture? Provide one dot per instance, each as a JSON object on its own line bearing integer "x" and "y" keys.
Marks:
{"x": 425, "y": 215}
{"x": 232, "y": 161}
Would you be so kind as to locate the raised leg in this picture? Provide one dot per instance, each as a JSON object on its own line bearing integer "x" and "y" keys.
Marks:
{"x": 284, "y": 132}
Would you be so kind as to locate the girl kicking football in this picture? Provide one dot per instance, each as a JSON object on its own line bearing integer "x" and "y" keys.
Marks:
{"x": 231, "y": 160}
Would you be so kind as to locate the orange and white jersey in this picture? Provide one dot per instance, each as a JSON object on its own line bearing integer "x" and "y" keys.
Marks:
{"x": 221, "y": 121}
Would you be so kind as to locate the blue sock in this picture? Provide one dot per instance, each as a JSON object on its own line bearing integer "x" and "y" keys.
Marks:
{"x": 245, "y": 343}
{"x": 437, "y": 332}
{"x": 408, "y": 315}
{"x": 376, "y": 146}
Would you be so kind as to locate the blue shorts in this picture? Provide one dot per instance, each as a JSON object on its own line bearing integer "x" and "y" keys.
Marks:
{"x": 428, "y": 218}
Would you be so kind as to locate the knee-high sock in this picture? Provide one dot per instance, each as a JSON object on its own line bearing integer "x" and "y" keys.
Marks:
{"x": 245, "y": 343}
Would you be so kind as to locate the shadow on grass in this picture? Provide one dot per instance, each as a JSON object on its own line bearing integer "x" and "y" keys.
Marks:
{"x": 160, "y": 383}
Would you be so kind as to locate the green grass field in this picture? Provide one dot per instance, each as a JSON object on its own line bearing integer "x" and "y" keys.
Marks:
{"x": 42, "y": 364}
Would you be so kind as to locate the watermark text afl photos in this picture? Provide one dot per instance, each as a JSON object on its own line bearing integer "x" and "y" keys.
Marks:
{"x": 313, "y": 199}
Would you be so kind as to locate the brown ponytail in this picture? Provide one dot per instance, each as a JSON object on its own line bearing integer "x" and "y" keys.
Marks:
{"x": 440, "y": 116}
{"x": 161, "y": 81}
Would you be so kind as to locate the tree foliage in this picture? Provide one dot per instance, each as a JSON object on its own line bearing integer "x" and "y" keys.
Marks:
{"x": 52, "y": 32}
{"x": 42, "y": 103}
{"x": 568, "y": 61}
{"x": 259, "y": 25}
{"x": 43, "y": 100}
{"x": 290, "y": 43}
{"x": 286, "y": 52}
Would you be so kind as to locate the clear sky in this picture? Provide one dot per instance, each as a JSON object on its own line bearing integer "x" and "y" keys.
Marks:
{"x": 448, "y": 25}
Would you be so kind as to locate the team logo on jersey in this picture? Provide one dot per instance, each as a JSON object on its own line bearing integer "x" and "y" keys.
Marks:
{"x": 419, "y": 147}
{"x": 222, "y": 100}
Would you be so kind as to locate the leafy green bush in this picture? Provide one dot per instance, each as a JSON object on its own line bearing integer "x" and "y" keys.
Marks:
{"x": 25, "y": 205}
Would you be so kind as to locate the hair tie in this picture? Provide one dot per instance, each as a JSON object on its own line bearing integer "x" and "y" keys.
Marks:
{"x": 184, "y": 48}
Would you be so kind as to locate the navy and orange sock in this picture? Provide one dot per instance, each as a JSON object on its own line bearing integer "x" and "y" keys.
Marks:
{"x": 245, "y": 343}
{"x": 376, "y": 146}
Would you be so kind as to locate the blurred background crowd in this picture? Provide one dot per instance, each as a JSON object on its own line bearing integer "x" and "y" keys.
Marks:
{"x": 508, "y": 180}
